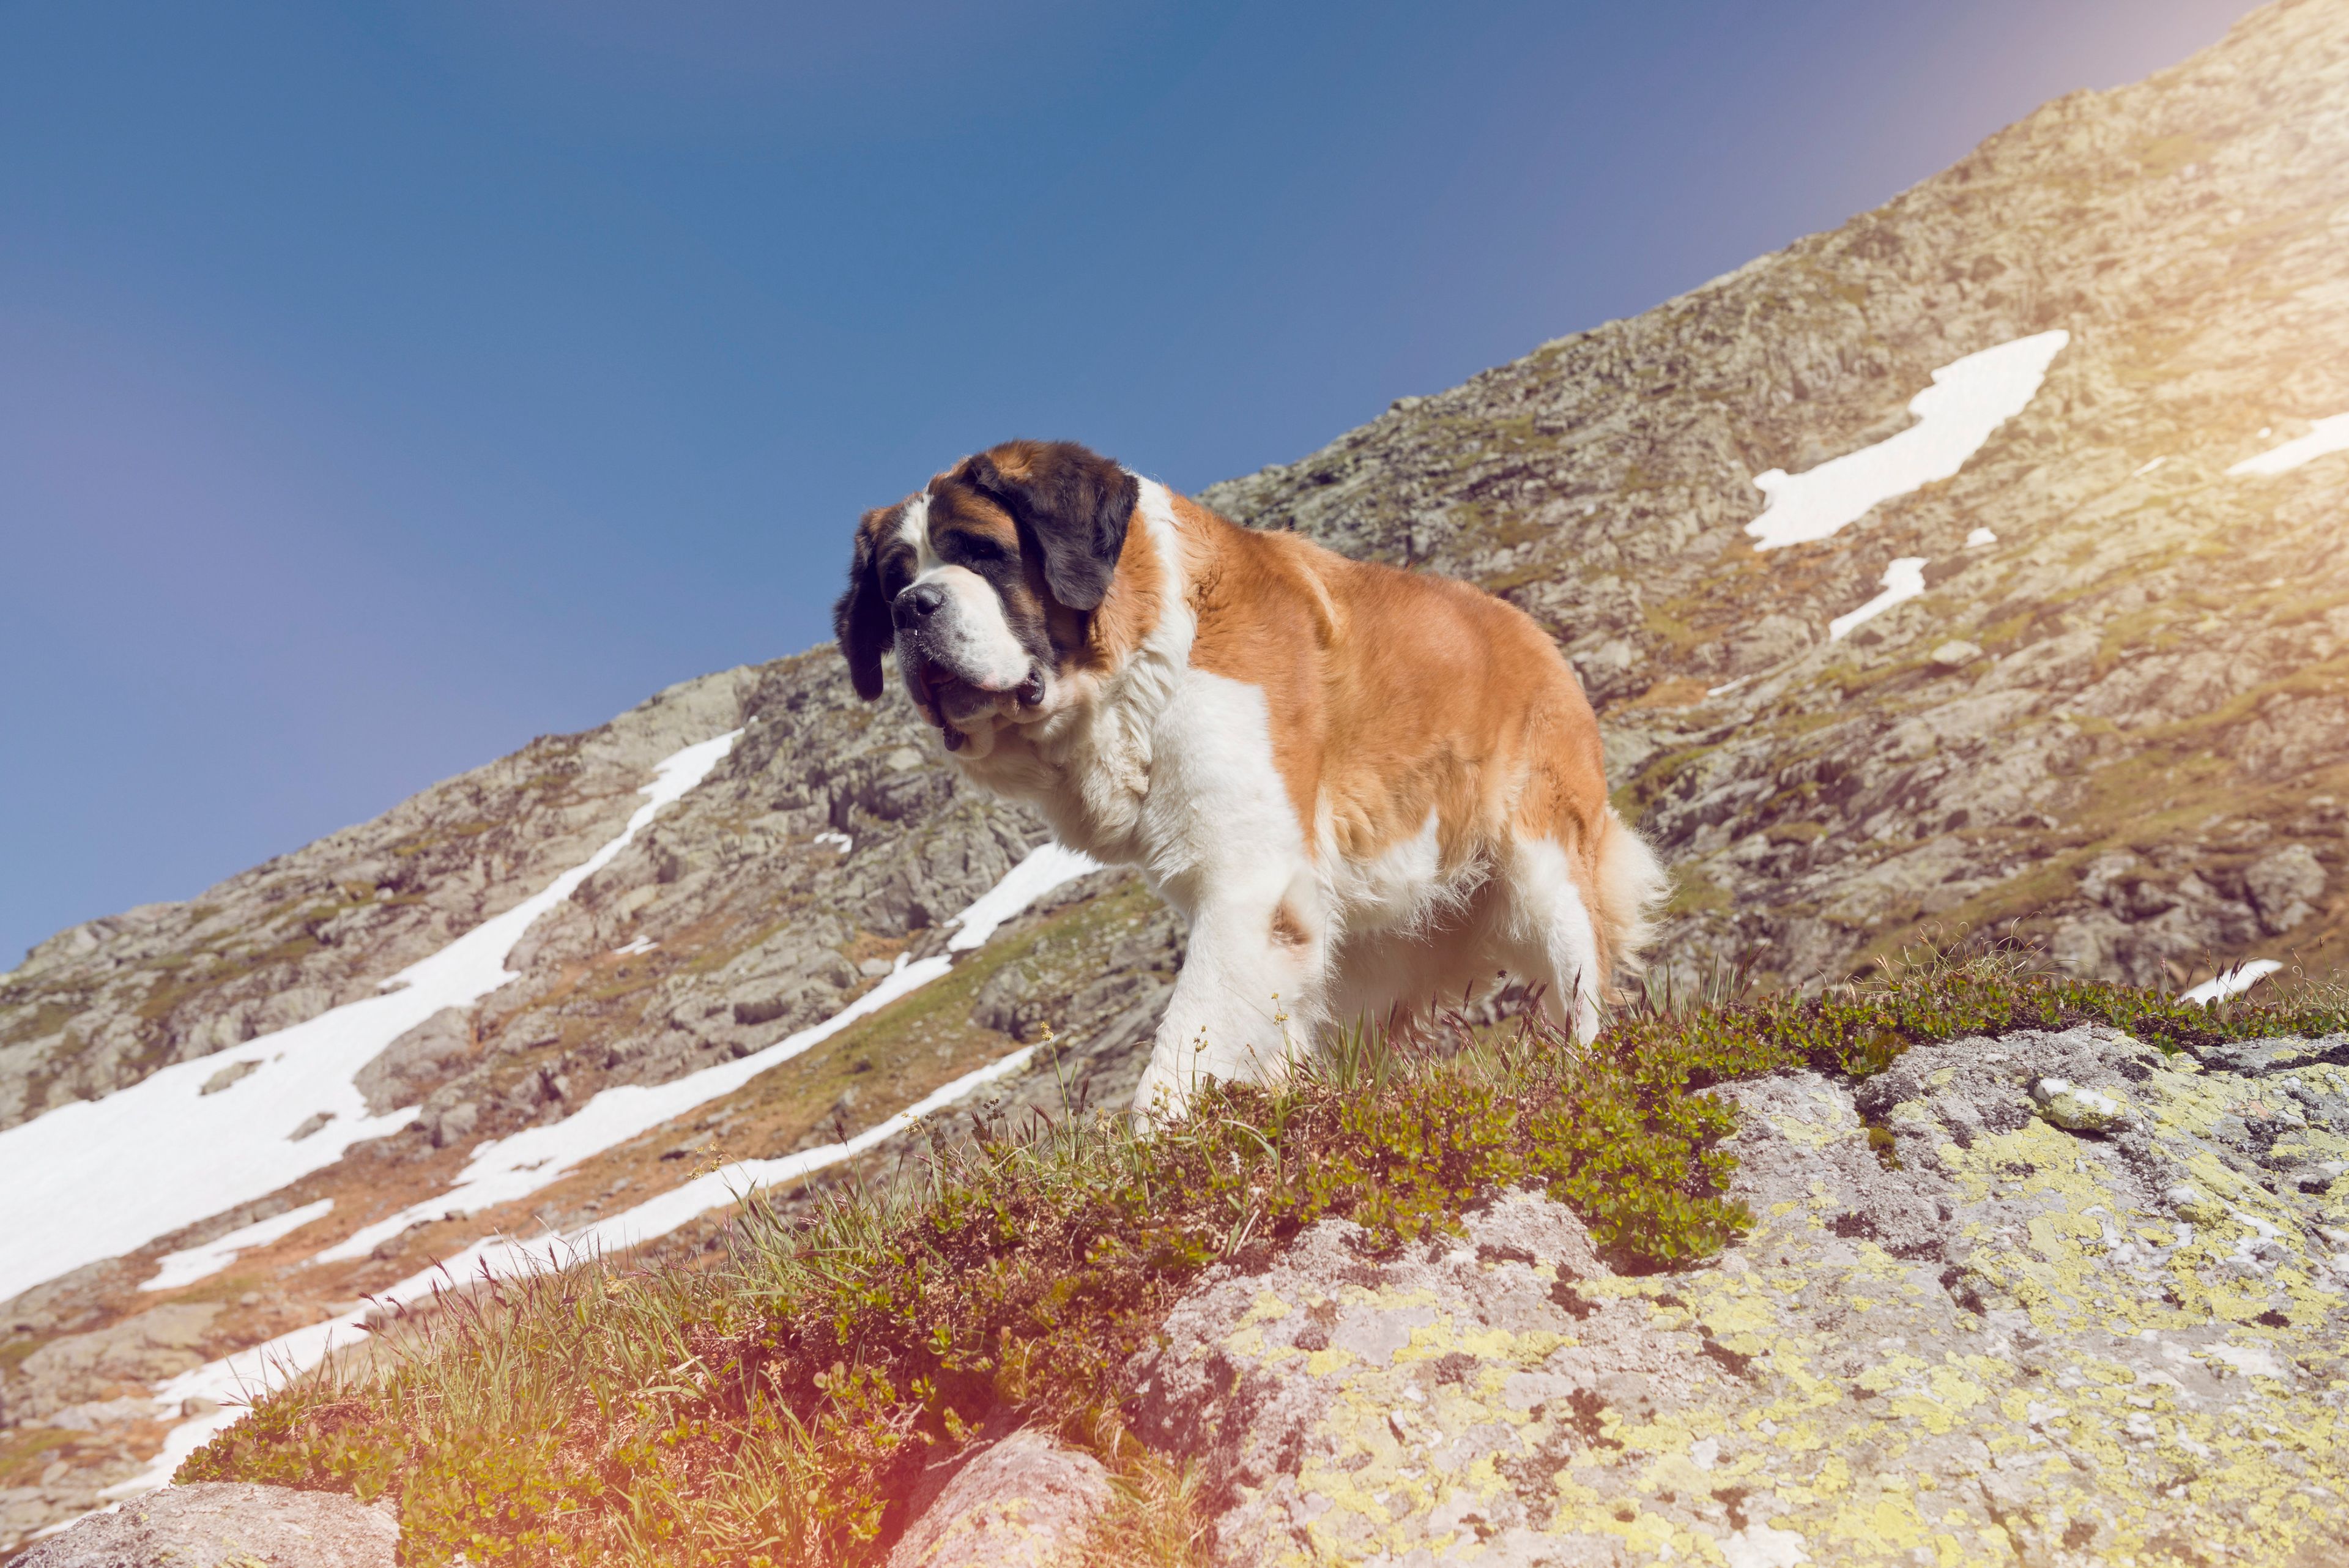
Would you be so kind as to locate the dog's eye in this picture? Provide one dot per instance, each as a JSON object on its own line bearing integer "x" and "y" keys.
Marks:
{"x": 978, "y": 547}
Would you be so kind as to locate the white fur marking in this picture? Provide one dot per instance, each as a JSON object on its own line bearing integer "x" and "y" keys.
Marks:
{"x": 914, "y": 527}
{"x": 1223, "y": 843}
{"x": 974, "y": 640}
{"x": 1403, "y": 891}
{"x": 1554, "y": 924}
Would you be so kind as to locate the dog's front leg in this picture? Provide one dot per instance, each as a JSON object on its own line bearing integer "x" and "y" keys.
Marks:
{"x": 1226, "y": 846}
{"x": 1250, "y": 996}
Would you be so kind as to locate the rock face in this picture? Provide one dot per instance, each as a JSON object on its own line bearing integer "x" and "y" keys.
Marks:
{"x": 2116, "y": 720}
{"x": 1023, "y": 1501}
{"x": 1986, "y": 1338}
{"x": 224, "y": 1526}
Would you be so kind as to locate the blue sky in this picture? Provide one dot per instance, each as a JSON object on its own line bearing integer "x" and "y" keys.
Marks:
{"x": 381, "y": 386}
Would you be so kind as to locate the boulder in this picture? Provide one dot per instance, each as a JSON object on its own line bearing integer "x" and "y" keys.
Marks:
{"x": 119, "y": 1360}
{"x": 408, "y": 1068}
{"x": 225, "y": 1525}
{"x": 1024, "y": 1501}
{"x": 1958, "y": 1332}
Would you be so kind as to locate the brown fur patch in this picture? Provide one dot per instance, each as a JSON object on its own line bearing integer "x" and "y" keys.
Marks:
{"x": 1396, "y": 694}
{"x": 957, "y": 508}
{"x": 1130, "y": 611}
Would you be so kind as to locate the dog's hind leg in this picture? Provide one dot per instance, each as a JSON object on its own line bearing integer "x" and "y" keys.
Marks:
{"x": 1552, "y": 939}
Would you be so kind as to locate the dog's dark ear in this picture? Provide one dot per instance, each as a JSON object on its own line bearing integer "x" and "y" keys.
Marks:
{"x": 1074, "y": 503}
{"x": 861, "y": 616}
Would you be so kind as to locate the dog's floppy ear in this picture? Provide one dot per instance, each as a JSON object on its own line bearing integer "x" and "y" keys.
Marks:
{"x": 1074, "y": 503}
{"x": 861, "y": 616}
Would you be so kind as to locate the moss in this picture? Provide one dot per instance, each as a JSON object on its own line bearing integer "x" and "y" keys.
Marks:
{"x": 1672, "y": 624}
{"x": 220, "y": 1288}
{"x": 26, "y": 1453}
{"x": 422, "y": 842}
{"x": 1656, "y": 778}
{"x": 47, "y": 1016}
{"x": 2166, "y": 155}
{"x": 1694, "y": 893}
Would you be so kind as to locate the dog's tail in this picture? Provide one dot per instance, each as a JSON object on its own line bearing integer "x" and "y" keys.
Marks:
{"x": 1629, "y": 886}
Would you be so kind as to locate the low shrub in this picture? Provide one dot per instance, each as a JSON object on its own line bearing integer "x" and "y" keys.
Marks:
{"x": 776, "y": 1406}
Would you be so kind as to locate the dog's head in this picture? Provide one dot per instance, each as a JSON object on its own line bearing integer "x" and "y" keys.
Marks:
{"x": 984, "y": 579}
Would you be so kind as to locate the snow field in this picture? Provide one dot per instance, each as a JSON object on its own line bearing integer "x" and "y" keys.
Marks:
{"x": 96, "y": 1178}
{"x": 2232, "y": 981}
{"x": 185, "y": 1268}
{"x": 1903, "y": 580}
{"x": 515, "y": 1167}
{"x": 2325, "y": 436}
{"x": 1968, "y": 399}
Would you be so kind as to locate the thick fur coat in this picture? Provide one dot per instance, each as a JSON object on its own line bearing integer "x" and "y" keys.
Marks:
{"x": 1371, "y": 790}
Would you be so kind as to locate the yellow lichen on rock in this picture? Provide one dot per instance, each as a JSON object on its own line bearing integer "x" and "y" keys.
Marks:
{"x": 2012, "y": 1345}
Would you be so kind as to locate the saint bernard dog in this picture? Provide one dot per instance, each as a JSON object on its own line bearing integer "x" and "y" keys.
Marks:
{"x": 1371, "y": 790}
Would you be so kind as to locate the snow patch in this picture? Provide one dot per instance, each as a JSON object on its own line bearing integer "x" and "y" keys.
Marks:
{"x": 515, "y": 1167}
{"x": 1903, "y": 580}
{"x": 2325, "y": 436}
{"x": 1979, "y": 537}
{"x": 185, "y": 1268}
{"x": 641, "y": 945}
{"x": 2232, "y": 981}
{"x": 1968, "y": 399}
{"x": 728, "y": 1184}
{"x": 846, "y": 844}
{"x": 2145, "y": 468}
{"x": 1047, "y": 867}
{"x": 96, "y": 1178}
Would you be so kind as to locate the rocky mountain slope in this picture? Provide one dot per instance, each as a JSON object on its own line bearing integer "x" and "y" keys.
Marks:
{"x": 2116, "y": 722}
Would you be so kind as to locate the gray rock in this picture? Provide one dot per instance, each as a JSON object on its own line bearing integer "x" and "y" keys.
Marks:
{"x": 1023, "y": 1501}
{"x": 1955, "y": 653}
{"x": 2284, "y": 886}
{"x": 119, "y": 1359}
{"x": 449, "y": 1124}
{"x": 221, "y": 1525}
{"x": 415, "y": 1064}
{"x": 2000, "y": 1337}
{"x": 2067, "y": 1105}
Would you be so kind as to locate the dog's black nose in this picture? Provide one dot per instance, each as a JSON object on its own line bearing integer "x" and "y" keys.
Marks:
{"x": 918, "y": 602}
